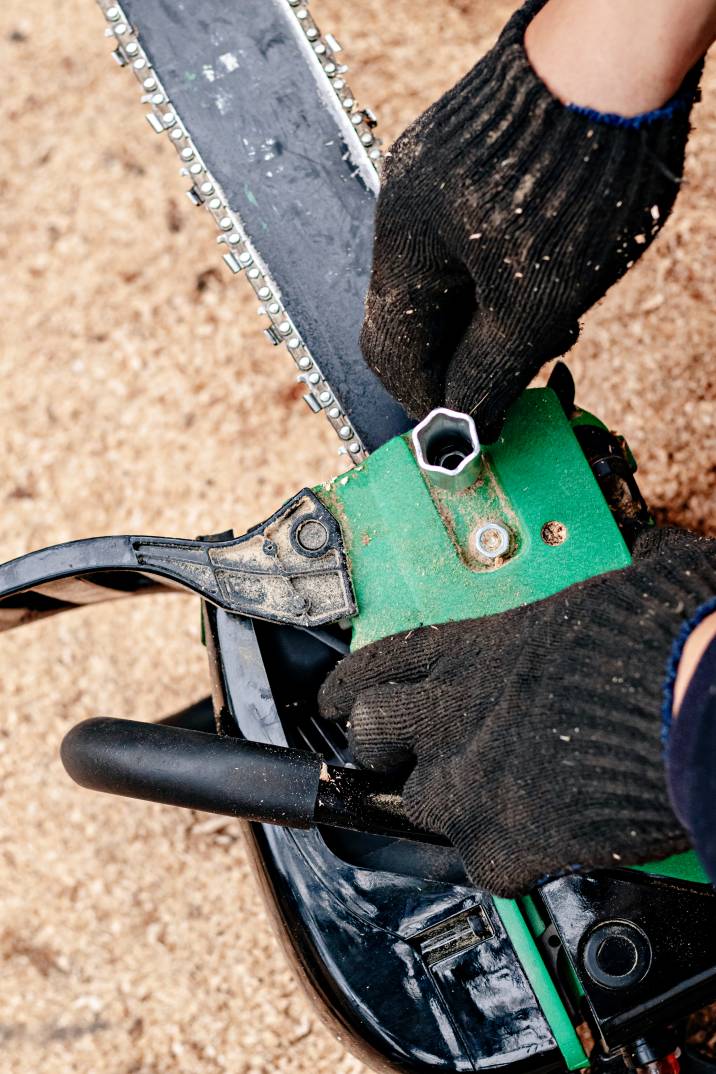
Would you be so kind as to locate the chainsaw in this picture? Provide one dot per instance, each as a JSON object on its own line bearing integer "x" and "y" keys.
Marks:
{"x": 415, "y": 968}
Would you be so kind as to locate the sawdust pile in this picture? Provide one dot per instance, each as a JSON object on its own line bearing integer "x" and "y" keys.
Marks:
{"x": 139, "y": 396}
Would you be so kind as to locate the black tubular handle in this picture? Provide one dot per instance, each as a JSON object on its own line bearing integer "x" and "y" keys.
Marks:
{"x": 258, "y": 782}
{"x": 176, "y": 766}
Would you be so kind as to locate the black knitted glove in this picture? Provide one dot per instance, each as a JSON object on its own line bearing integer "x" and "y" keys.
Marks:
{"x": 534, "y": 735}
{"x": 503, "y": 216}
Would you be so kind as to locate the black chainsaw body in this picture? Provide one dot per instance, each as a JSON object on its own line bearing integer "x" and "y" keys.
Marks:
{"x": 401, "y": 952}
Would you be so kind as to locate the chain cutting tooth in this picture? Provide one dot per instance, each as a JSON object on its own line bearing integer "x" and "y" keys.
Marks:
{"x": 272, "y": 336}
{"x": 232, "y": 263}
{"x": 204, "y": 190}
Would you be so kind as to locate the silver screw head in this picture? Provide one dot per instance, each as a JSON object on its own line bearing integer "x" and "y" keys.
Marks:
{"x": 491, "y": 540}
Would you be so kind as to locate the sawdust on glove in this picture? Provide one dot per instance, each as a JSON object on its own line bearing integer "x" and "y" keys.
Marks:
{"x": 533, "y": 737}
{"x": 503, "y": 216}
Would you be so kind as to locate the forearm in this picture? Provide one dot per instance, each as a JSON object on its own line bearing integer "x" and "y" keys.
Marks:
{"x": 691, "y": 749}
{"x": 616, "y": 57}
{"x": 696, "y": 645}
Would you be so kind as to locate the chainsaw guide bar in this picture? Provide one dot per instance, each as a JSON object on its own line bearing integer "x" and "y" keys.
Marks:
{"x": 268, "y": 133}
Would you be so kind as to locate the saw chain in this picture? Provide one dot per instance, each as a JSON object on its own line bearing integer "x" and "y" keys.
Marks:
{"x": 194, "y": 107}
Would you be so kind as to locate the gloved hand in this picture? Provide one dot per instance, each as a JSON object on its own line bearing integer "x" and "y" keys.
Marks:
{"x": 503, "y": 216}
{"x": 534, "y": 735}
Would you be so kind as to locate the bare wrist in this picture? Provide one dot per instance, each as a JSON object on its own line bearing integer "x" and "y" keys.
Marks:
{"x": 695, "y": 647}
{"x": 617, "y": 77}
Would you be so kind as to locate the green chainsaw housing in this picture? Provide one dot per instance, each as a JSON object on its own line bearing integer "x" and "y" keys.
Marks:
{"x": 413, "y": 563}
{"x": 408, "y": 543}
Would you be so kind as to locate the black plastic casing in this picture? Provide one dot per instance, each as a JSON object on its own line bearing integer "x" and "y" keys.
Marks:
{"x": 405, "y": 959}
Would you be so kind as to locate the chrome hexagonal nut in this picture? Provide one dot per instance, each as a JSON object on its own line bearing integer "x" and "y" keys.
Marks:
{"x": 447, "y": 449}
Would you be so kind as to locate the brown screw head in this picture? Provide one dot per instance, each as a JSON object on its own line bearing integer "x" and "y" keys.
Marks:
{"x": 554, "y": 533}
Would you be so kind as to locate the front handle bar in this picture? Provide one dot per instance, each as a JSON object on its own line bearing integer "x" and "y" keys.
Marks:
{"x": 231, "y": 776}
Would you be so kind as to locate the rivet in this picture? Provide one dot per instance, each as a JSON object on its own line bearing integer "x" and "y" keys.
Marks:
{"x": 312, "y": 535}
{"x": 554, "y": 533}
